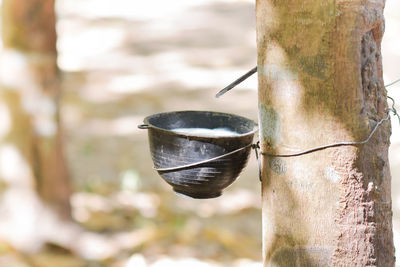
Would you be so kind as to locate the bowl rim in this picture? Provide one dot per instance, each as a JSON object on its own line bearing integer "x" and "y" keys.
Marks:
{"x": 146, "y": 121}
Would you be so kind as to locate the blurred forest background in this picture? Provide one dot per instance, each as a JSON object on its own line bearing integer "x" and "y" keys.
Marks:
{"x": 76, "y": 179}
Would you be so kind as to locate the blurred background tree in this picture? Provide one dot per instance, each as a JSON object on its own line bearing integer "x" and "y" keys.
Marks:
{"x": 30, "y": 100}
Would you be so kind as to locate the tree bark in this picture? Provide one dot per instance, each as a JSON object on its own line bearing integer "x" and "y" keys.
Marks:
{"x": 320, "y": 81}
{"x": 30, "y": 93}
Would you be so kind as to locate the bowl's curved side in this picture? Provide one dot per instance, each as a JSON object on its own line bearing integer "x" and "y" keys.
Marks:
{"x": 208, "y": 179}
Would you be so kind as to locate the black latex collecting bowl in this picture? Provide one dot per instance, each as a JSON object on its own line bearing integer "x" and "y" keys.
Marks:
{"x": 195, "y": 164}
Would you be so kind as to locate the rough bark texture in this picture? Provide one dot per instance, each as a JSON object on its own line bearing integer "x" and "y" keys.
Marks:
{"x": 320, "y": 81}
{"x": 30, "y": 92}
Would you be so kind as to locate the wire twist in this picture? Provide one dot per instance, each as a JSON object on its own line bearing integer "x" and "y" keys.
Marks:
{"x": 344, "y": 143}
{"x": 337, "y": 144}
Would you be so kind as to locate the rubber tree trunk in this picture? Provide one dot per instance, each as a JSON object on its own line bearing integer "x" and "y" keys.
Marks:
{"x": 320, "y": 81}
{"x": 29, "y": 97}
